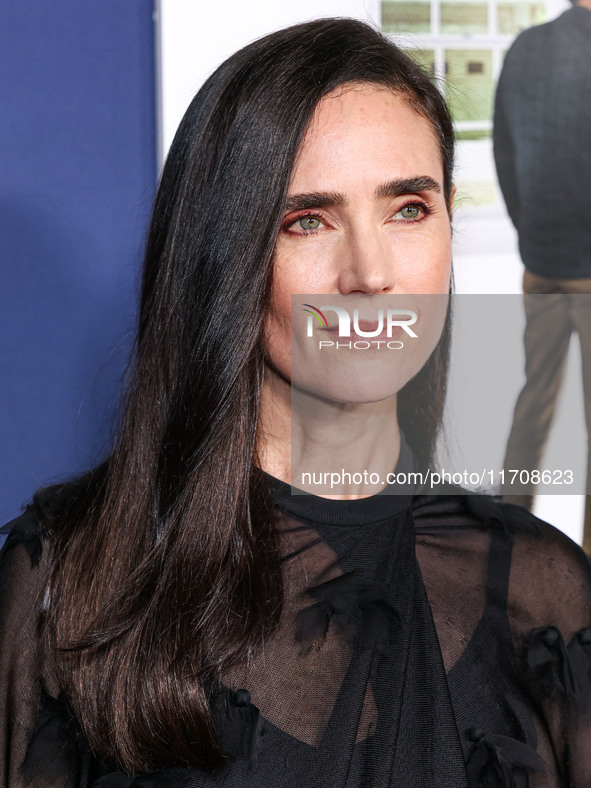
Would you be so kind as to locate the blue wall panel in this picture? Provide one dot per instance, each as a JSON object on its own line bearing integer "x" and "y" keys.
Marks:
{"x": 77, "y": 175}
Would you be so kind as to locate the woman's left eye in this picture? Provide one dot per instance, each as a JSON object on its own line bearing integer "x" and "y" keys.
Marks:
{"x": 412, "y": 212}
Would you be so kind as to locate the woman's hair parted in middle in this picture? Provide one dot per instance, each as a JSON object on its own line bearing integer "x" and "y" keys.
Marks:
{"x": 166, "y": 565}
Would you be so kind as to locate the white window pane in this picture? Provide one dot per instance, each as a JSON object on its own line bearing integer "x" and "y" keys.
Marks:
{"x": 412, "y": 16}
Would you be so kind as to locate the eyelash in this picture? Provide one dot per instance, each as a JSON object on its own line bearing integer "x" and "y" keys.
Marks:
{"x": 426, "y": 209}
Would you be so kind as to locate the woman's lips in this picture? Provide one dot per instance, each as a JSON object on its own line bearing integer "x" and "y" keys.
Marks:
{"x": 333, "y": 332}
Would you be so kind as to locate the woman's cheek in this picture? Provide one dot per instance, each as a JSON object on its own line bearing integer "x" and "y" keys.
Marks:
{"x": 306, "y": 273}
{"x": 423, "y": 272}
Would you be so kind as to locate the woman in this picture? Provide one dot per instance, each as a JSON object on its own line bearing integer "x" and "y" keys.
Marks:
{"x": 177, "y": 617}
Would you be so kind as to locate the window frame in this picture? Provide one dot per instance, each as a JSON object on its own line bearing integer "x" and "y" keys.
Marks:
{"x": 494, "y": 42}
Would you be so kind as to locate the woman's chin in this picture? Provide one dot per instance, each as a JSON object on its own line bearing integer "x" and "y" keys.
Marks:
{"x": 362, "y": 392}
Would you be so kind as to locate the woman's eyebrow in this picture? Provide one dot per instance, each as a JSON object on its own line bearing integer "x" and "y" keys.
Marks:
{"x": 393, "y": 188}
{"x": 299, "y": 202}
{"x": 398, "y": 186}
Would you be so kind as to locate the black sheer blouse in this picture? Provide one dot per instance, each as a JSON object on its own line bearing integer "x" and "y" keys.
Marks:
{"x": 425, "y": 641}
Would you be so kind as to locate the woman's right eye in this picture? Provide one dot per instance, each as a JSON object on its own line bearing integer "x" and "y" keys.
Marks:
{"x": 307, "y": 224}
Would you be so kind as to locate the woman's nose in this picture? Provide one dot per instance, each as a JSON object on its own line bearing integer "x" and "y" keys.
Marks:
{"x": 365, "y": 263}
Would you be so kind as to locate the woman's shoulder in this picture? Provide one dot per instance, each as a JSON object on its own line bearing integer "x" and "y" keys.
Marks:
{"x": 461, "y": 515}
{"x": 33, "y": 718}
{"x": 27, "y": 533}
{"x": 42, "y": 517}
{"x": 550, "y": 582}
{"x": 458, "y": 509}
{"x": 27, "y": 542}
{"x": 25, "y": 530}
{"x": 23, "y": 557}
{"x": 26, "y": 556}
{"x": 547, "y": 576}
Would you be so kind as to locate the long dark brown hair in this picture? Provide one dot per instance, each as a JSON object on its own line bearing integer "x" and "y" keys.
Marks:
{"x": 165, "y": 563}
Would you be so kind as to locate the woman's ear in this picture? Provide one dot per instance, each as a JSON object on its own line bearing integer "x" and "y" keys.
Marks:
{"x": 450, "y": 204}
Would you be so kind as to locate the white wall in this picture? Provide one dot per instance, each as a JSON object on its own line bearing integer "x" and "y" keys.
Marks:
{"x": 196, "y": 36}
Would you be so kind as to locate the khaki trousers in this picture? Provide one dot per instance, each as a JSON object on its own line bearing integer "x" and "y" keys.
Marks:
{"x": 550, "y": 322}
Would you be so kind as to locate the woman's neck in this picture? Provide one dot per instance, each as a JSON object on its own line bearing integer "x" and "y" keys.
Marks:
{"x": 308, "y": 441}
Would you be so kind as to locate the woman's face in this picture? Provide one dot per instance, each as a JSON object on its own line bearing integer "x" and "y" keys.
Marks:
{"x": 366, "y": 221}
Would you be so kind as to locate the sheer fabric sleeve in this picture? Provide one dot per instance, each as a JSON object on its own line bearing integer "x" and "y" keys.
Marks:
{"x": 511, "y": 599}
{"x": 23, "y": 571}
{"x": 550, "y": 616}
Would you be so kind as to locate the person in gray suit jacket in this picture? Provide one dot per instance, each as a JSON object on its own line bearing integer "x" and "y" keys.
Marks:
{"x": 542, "y": 149}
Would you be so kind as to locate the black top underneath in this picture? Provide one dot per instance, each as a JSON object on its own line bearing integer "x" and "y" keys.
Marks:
{"x": 426, "y": 641}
